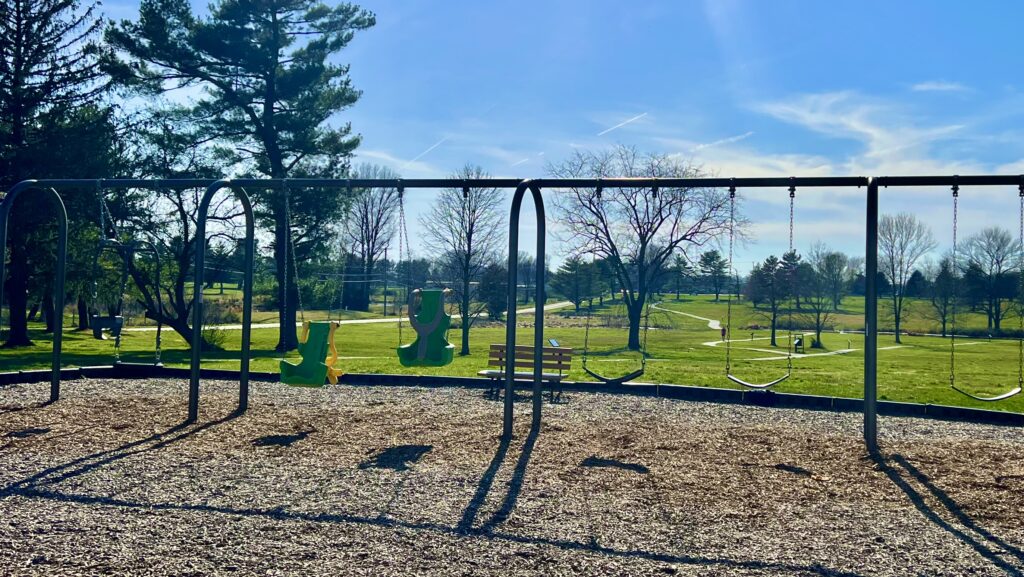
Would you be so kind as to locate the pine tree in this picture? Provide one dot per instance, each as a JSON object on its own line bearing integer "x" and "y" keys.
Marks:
{"x": 49, "y": 70}
{"x": 270, "y": 89}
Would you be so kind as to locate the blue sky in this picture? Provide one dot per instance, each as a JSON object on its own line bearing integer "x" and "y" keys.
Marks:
{"x": 741, "y": 88}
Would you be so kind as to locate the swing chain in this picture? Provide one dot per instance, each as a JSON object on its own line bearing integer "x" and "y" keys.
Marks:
{"x": 952, "y": 332}
{"x": 291, "y": 257}
{"x": 1020, "y": 288}
{"x": 728, "y": 305}
{"x": 792, "y": 280}
{"x": 402, "y": 241}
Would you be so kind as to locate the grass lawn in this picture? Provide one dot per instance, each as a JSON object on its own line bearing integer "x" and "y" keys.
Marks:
{"x": 678, "y": 347}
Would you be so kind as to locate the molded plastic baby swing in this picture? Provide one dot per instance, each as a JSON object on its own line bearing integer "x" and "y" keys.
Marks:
{"x": 952, "y": 332}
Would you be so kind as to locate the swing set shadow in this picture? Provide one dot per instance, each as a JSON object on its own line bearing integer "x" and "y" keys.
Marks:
{"x": 42, "y": 486}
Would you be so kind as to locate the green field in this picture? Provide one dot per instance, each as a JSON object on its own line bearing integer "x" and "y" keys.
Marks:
{"x": 678, "y": 349}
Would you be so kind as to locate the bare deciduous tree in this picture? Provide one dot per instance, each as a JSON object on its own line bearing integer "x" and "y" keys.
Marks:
{"x": 902, "y": 242}
{"x": 820, "y": 294}
{"x": 992, "y": 256}
{"x": 371, "y": 224}
{"x": 466, "y": 229}
{"x": 634, "y": 229}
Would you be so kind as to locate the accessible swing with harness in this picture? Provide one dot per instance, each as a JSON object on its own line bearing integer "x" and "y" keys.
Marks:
{"x": 952, "y": 334}
{"x": 728, "y": 323}
{"x": 427, "y": 315}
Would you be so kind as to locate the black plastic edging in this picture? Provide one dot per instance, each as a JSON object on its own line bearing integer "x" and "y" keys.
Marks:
{"x": 676, "y": 392}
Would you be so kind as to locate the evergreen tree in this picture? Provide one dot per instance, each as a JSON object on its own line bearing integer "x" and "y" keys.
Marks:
{"x": 49, "y": 73}
{"x": 270, "y": 89}
{"x": 714, "y": 268}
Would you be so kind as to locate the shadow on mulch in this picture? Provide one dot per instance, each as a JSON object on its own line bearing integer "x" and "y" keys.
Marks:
{"x": 40, "y": 486}
{"x": 397, "y": 458}
{"x": 88, "y": 463}
{"x": 281, "y": 440}
{"x": 993, "y": 548}
{"x": 26, "y": 433}
{"x": 597, "y": 462}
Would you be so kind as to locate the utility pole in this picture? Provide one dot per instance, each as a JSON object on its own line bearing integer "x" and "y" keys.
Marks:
{"x": 385, "y": 281}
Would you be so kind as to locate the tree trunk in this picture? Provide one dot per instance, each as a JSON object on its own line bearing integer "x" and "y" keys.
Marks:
{"x": 635, "y": 313}
{"x": 17, "y": 291}
{"x": 83, "y": 314}
{"x": 48, "y": 316}
{"x": 897, "y": 307}
{"x": 34, "y": 312}
{"x": 284, "y": 273}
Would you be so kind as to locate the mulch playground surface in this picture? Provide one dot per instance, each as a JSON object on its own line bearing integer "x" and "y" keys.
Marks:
{"x": 397, "y": 481}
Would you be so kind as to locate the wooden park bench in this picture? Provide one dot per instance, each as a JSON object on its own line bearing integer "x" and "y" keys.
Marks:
{"x": 556, "y": 362}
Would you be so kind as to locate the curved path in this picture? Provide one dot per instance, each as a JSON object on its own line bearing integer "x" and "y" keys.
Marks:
{"x": 238, "y": 327}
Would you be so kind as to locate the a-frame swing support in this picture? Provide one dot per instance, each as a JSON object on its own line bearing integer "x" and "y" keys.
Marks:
{"x": 535, "y": 187}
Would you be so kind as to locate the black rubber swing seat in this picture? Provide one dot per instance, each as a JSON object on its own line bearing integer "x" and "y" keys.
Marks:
{"x": 749, "y": 385}
{"x": 616, "y": 380}
{"x": 1001, "y": 397}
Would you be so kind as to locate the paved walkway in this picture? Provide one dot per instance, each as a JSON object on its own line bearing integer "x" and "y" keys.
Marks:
{"x": 238, "y": 327}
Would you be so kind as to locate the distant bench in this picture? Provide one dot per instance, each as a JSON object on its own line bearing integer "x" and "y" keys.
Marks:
{"x": 555, "y": 362}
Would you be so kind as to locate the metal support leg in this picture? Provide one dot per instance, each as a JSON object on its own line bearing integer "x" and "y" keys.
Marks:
{"x": 871, "y": 321}
{"x": 197, "y": 297}
{"x": 510, "y": 326}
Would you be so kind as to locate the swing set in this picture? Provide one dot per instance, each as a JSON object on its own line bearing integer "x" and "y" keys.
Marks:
{"x": 728, "y": 322}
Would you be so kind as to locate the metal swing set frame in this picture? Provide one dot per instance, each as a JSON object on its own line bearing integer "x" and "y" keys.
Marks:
{"x": 872, "y": 185}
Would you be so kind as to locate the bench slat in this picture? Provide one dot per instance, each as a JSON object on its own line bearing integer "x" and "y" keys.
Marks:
{"x": 529, "y": 365}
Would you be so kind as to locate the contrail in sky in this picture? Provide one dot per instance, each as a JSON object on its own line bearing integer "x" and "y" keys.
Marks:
{"x": 621, "y": 124}
{"x": 424, "y": 153}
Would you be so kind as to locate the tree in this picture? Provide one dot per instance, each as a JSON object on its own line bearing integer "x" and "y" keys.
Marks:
{"x": 494, "y": 290}
{"x": 167, "y": 145}
{"x": 635, "y": 229}
{"x": 574, "y": 281}
{"x": 682, "y": 273}
{"x": 467, "y": 228}
{"x": 270, "y": 86}
{"x": 818, "y": 289}
{"x": 834, "y": 269}
{"x": 769, "y": 283}
{"x": 917, "y": 285}
{"x": 715, "y": 270}
{"x": 902, "y": 242}
{"x": 527, "y": 266}
{"x": 371, "y": 224}
{"x": 993, "y": 256}
{"x": 49, "y": 71}
{"x": 942, "y": 292}
{"x": 792, "y": 273}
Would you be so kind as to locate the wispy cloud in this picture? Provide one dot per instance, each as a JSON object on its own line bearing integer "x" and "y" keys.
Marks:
{"x": 521, "y": 161}
{"x": 892, "y": 141}
{"x": 408, "y": 168}
{"x": 621, "y": 124}
{"x": 939, "y": 86}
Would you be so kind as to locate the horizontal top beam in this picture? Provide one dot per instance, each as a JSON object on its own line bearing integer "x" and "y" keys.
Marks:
{"x": 965, "y": 180}
{"x": 541, "y": 183}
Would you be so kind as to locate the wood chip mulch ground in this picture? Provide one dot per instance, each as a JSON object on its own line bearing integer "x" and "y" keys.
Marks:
{"x": 397, "y": 481}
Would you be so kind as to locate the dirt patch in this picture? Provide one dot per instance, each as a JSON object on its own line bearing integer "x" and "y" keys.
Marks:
{"x": 389, "y": 480}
